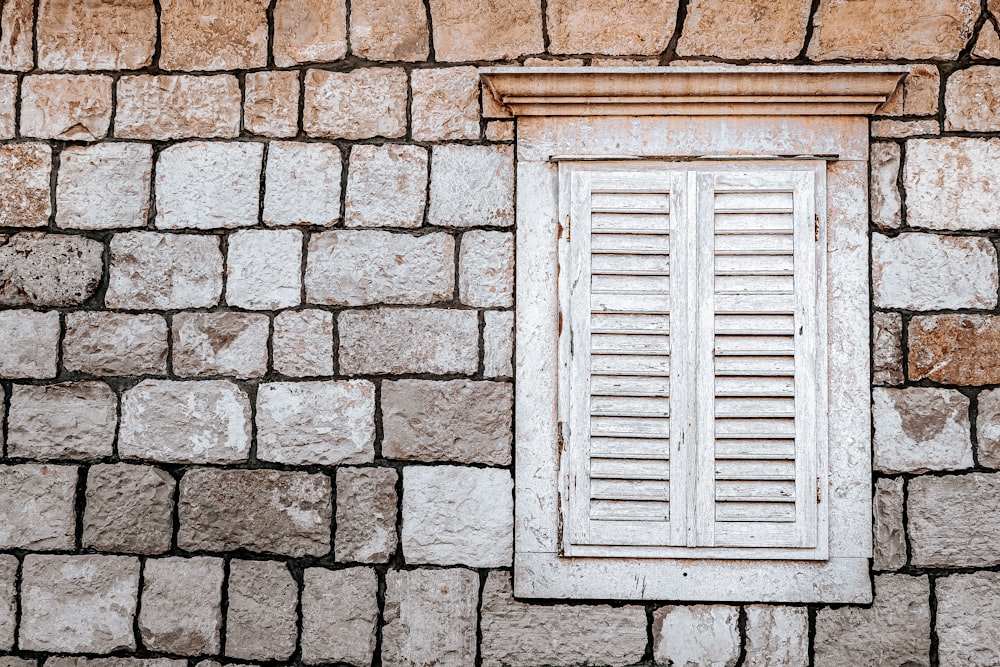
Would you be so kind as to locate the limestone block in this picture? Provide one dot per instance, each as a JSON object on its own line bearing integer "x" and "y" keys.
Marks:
{"x": 303, "y": 184}
{"x": 105, "y": 186}
{"x": 887, "y": 350}
{"x": 31, "y": 343}
{"x": 389, "y": 30}
{"x": 260, "y": 622}
{"x": 12, "y": 661}
{"x": 740, "y": 30}
{"x": 696, "y": 635}
{"x": 777, "y": 636}
{"x": 96, "y": 35}
{"x": 917, "y": 96}
{"x": 16, "y": 20}
{"x": 71, "y": 420}
{"x": 458, "y": 420}
{"x": 66, "y": 106}
{"x": 8, "y": 601}
{"x": 263, "y": 269}
{"x": 919, "y": 429}
{"x": 303, "y": 343}
{"x": 177, "y": 107}
{"x": 472, "y": 185}
{"x": 263, "y": 511}
{"x": 24, "y": 185}
{"x": 271, "y": 103}
{"x": 181, "y": 608}
{"x": 408, "y": 340}
{"x": 309, "y": 31}
{"x": 904, "y": 128}
{"x": 362, "y": 103}
{"x": 37, "y": 508}
{"x": 972, "y": 100}
{"x": 386, "y": 186}
{"x": 467, "y": 30}
{"x": 486, "y": 269}
{"x": 455, "y": 515}
{"x": 955, "y": 349}
{"x": 988, "y": 44}
{"x": 207, "y": 185}
{"x": 164, "y": 271}
{"x": 185, "y": 422}
{"x": 305, "y": 423}
{"x": 500, "y": 130}
{"x": 78, "y": 661}
{"x": 574, "y": 634}
{"x": 48, "y": 269}
{"x": 949, "y": 183}
{"x": 103, "y": 343}
{"x": 339, "y": 613}
{"x": 498, "y": 343}
{"x": 430, "y": 618}
{"x": 78, "y": 604}
{"x": 129, "y": 508}
{"x": 366, "y": 515}
{"x": 445, "y": 103}
{"x": 223, "y": 343}
{"x": 890, "y": 539}
{"x": 967, "y": 606}
{"x": 954, "y": 520}
{"x": 612, "y": 28}
{"x": 885, "y": 202}
{"x": 213, "y": 34}
{"x": 988, "y": 428}
{"x": 354, "y": 268}
{"x": 8, "y": 104}
{"x": 894, "y": 630}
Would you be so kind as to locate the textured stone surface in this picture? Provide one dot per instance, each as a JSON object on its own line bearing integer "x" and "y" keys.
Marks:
{"x": 177, "y": 107}
{"x": 8, "y": 601}
{"x": 71, "y": 420}
{"x": 733, "y": 28}
{"x": 185, "y": 422}
{"x": 430, "y": 618}
{"x": 972, "y": 100}
{"x": 459, "y": 420}
{"x": 498, "y": 344}
{"x": 31, "y": 343}
{"x": 455, "y": 515}
{"x": 472, "y": 185}
{"x": 988, "y": 428}
{"x": 266, "y": 511}
{"x": 366, "y": 515}
{"x": 96, "y": 35}
{"x": 309, "y": 31}
{"x": 182, "y": 605}
{"x": 696, "y": 635}
{"x": 271, "y": 103}
{"x": 8, "y": 102}
{"x": 445, "y": 103}
{"x": 353, "y": 268}
{"x": 66, "y": 106}
{"x": 48, "y": 269}
{"x": 500, "y": 130}
{"x": 887, "y": 350}
{"x": 105, "y": 186}
{"x": 955, "y": 349}
{"x": 885, "y": 202}
{"x": 949, "y": 183}
{"x": 223, "y": 343}
{"x": 988, "y": 44}
{"x": 362, "y": 103}
{"x": 24, "y": 185}
{"x": 164, "y": 271}
{"x": 78, "y": 604}
{"x": 316, "y": 422}
{"x": 919, "y": 429}
{"x": 610, "y": 27}
{"x": 213, "y": 34}
{"x": 954, "y": 520}
{"x": 102, "y": 343}
{"x": 904, "y": 128}
{"x": 389, "y": 29}
{"x": 36, "y": 507}
{"x": 263, "y": 269}
{"x": 260, "y": 622}
{"x": 486, "y": 269}
{"x": 894, "y": 630}
{"x": 574, "y": 634}
{"x": 386, "y": 186}
{"x": 339, "y": 612}
{"x": 408, "y": 340}
{"x": 303, "y": 343}
{"x": 777, "y": 636}
{"x": 303, "y": 184}
{"x": 77, "y": 661}
{"x": 917, "y": 96}
{"x": 129, "y": 508}
{"x": 16, "y": 20}
{"x": 890, "y": 540}
{"x": 967, "y": 605}
{"x": 466, "y": 30}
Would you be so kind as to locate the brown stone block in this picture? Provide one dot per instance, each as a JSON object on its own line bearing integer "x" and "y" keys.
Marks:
{"x": 177, "y": 107}
{"x": 77, "y": 35}
{"x": 24, "y": 185}
{"x": 744, "y": 29}
{"x": 389, "y": 29}
{"x": 16, "y": 19}
{"x": 955, "y": 349}
{"x": 309, "y": 31}
{"x": 213, "y": 34}
{"x": 610, "y": 27}
{"x": 486, "y": 30}
{"x": 271, "y": 104}
{"x": 972, "y": 100}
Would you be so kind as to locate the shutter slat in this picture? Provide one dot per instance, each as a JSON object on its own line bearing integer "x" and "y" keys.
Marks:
{"x": 754, "y": 345}
{"x": 629, "y": 427}
{"x": 753, "y": 201}
{"x": 751, "y": 284}
{"x": 629, "y": 386}
{"x": 629, "y": 406}
{"x": 629, "y": 323}
{"x": 729, "y": 222}
{"x": 752, "y": 366}
{"x": 630, "y": 448}
{"x": 754, "y": 470}
{"x": 743, "y": 386}
{"x": 629, "y": 364}
{"x": 657, "y": 304}
{"x": 765, "y": 304}
{"x": 625, "y": 243}
{"x": 656, "y": 224}
{"x": 757, "y": 491}
{"x": 630, "y": 489}
{"x": 741, "y": 324}
{"x": 755, "y": 512}
{"x": 621, "y": 510}
{"x": 749, "y": 265}
{"x": 755, "y": 449}
{"x": 628, "y": 264}
{"x": 754, "y": 408}
{"x": 630, "y": 469}
{"x": 629, "y": 344}
{"x": 754, "y": 244}
{"x": 629, "y": 284}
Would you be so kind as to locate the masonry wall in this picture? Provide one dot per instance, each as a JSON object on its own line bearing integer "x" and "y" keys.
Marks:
{"x": 256, "y": 277}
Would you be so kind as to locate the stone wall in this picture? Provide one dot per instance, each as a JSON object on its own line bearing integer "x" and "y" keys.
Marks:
{"x": 256, "y": 272}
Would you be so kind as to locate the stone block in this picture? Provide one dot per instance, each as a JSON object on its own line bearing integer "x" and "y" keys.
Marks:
{"x": 967, "y": 606}
{"x": 455, "y": 515}
{"x": 887, "y": 350}
{"x": 354, "y": 268}
{"x": 917, "y": 96}
{"x": 8, "y": 104}
{"x": 949, "y": 183}
{"x": 972, "y": 100}
{"x": 389, "y": 30}
{"x": 79, "y": 661}
{"x": 732, "y": 29}
{"x": 471, "y": 186}
{"x": 177, "y": 107}
{"x": 360, "y": 104}
{"x": 37, "y": 507}
{"x": 885, "y": 202}
{"x": 776, "y": 636}
{"x": 66, "y": 106}
{"x": 263, "y": 269}
{"x": 988, "y": 43}
{"x": 71, "y": 420}
{"x": 185, "y": 422}
{"x": 213, "y": 34}
{"x": 42, "y": 269}
{"x": 181, "y": 610}
{"x": 889, "y": 532}
{"x": 78, "y": 604}
{"x": 445, "y": 103}
{"x": 904, "y": 128}
{"x": 263, "y": 511}
{"x": 164, "y": 271}
{"x": 222, "y": 343}
{"x": 309, "y": 31}
{"x": 261, "y": 619}
{"x": 105, "y": 186}
{"x": 8, "y": 602}
{"x": 612, "y": 28}
{"x": 31, "y": 343}
{"x": 303, "y": 343}
{"x": 954, "y": 520}
{"x": 103, "y": 343}
{"x": 271, "y": 103}
{"x": 696, "y": 635}
{"x": 129, "y": 509}
{"x": 486, "y": 269}
{"x": 25, "y": 170}
{"x": 309, "y": 423}
{"x": 498, "y": 344}
{"x": 431, "y": 618}
{"x": 499, "y": 130}
{"x": 303, "y": 184}
{"x": 386, "y": 186}
{"x": 466, "y": 30}
{"x": 95, "y": 35}
{"x": 458, "y": 420}
{"x": 573, "y": 634}
{"x": 339, "y": 613}
{"x": 988, "y": 429}
{"x": 919, "y": 429}
{"x": 955, "y": 349}
{"x": 390, "y": 341}
{"x": 366, "y": 515}
{"x": 17, "y": 19}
